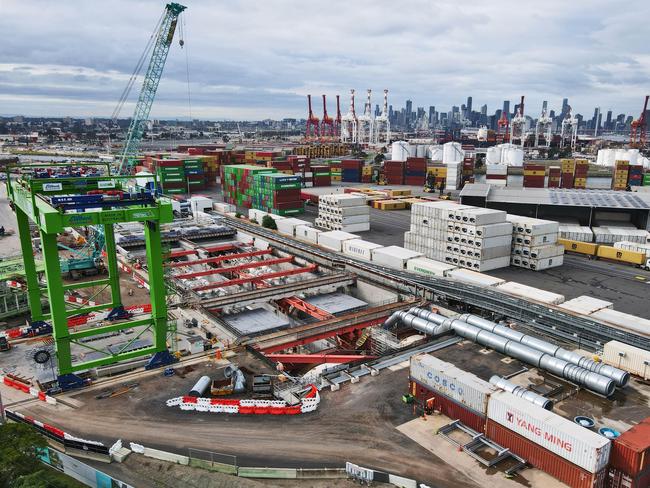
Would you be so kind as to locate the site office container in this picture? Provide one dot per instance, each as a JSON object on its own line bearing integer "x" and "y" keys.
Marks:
{"x": 448, "y": 407}
{"x": 550, "y": 432}
{"x": 631, "y": 450}
{"x": 549, "y": 462}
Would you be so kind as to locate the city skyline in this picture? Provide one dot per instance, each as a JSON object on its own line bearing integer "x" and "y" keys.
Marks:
{"x": 65, "y": 59}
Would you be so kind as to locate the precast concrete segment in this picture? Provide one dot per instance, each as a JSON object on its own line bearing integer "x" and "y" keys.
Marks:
{"x": 619, "y": 376}
{"x": 521, "y": 392}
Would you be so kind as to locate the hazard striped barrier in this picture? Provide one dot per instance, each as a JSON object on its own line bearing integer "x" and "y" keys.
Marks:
{"x": 35, "y": 392}
{"x": 308, "y": 404}
{"x": 14, "y": 284}
{"x": 80, "y": 300}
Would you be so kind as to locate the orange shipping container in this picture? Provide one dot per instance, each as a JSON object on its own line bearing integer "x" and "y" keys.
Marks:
{"x": 631, "y": 450}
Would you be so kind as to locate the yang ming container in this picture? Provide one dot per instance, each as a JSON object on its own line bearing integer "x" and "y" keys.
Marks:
{"x": 562, "y": 437}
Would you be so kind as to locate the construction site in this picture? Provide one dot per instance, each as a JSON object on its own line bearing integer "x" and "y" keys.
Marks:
{"x": 311, "y": 315}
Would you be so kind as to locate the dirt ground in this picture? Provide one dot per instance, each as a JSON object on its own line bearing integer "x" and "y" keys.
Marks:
{"x": 357, "y": 424}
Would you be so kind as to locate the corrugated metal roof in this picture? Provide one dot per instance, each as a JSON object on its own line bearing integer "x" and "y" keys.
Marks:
{"x": 558, "y": 196}
{"x": 336, "y": 302}
{"x": 256, "y": 321}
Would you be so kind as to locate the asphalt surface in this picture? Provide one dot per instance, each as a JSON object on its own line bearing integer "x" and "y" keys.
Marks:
{"x": 9, "y": 245}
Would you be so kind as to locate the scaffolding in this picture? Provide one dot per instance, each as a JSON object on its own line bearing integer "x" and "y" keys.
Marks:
{"x": 59, "y": 196}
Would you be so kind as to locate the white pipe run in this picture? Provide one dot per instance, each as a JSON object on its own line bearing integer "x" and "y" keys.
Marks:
{"x": 521, "y": 392}
{"x": 559, "y": 367}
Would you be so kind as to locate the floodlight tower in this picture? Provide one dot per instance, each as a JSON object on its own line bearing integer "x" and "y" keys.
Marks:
{"x": 382, "y": 124}
{"x": 543, "y": 129}
{"x": 326, "y": 125}
{"x": 569, "y": 130}
{"x": 518, "y": 125}
{"x": 349, "y": 123}
{"x": 312, "y": 126}
{"x": 365, "y": 124}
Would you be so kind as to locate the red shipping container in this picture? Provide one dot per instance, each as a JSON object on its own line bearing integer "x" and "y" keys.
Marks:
{"x": 496, "y": 177}
{"x": 631, "y": 450}
{"x": 289, "y": 205}
{"x": 543, "y": 459}
{"x": 414, "y": 180}
{"x": 448, "y": 407}
{"x": 618, "y": 479}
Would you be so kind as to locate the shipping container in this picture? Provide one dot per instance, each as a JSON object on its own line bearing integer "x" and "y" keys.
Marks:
{"x": 474, "y": 278}
{"x": 333, "y": 240}
{"x": 628, "y": 358}
{"x": 631, "y": 450}
{"x": 623, "y": 320}
{"x": 288, "y": 226}
{"x": 556, "y": 434}
{"x": 618, "y": 479}
{"x": 307, "y": 233}
{"x": 530, "y": 293}
{"x": 462, "y": 387}
{"x": 358, "y": 248}
{"x": 393, "y": 256}
{"x": 448, "y": 407}
{"x": 429, "y": 267}
{"x": 621, "y": 255}
{"x": 579, "y": 247}
{"x": 585, "y": 305}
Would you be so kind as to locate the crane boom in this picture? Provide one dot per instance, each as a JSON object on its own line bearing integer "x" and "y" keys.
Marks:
{"x": 164, "y": 38}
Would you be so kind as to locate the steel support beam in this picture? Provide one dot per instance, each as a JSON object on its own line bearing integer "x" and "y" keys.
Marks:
{"x": 233, "y": 269}
{"x": 218, "y": 259}
{"x": 319, "y": 358}
{"x": 31, "y": 275}
{"x": 269, "y": 276}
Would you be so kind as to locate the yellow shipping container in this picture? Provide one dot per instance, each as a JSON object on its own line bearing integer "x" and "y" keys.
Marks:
{"x": 587, "y": 248}
{"x": 534, "y": 173}
{"x": 622, "y": 255}
{"x": 390, "y": 205}
{"x": 399, "y": 193}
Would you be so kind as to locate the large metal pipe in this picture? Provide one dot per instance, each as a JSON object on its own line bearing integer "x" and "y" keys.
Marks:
{"x": 618, "y": 375}
{"x": 421, "y": 325}
{"x": 559, "y": 367}
{"x": 521, "y": 392}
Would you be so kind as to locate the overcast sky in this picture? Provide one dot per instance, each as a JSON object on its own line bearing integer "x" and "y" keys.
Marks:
{"x": 258, "y": 59}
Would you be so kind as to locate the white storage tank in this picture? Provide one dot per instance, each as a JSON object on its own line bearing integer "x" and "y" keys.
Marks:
{"x": 512, "y": 155}
{"x": 493, "y": 155}
{"x": 393, "y": 256}
{"x": 435, "y": 152}
{"x": 200, "y": 387}
{"x": 452, "y": 152}
{"x": 400, "y": 150}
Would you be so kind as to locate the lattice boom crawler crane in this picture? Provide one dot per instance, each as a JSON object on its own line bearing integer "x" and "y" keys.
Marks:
{"x": 64, "y": 197}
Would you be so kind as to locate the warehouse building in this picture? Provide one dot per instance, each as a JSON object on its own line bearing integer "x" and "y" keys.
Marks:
{"x": 588, "y": 207}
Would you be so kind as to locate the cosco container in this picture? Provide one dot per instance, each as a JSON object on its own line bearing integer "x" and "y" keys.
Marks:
{"x": 557, "y": 466}
{"x": 628, "y": 358}
{"x": 530, "y": 293}
{"x": 447, "y": 406}
{"x": 556, "y": 434}
{"x": 631, "y": 450}
{"x": 428, "y": 266}
{"x": 393, "y": 256}
{"x": 358, "y": 248}
{"x": 462, "y": 387}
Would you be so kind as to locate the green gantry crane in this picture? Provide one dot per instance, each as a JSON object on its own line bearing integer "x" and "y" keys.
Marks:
{"x": 164, "y": 35}
{"x": 56, "y": 201}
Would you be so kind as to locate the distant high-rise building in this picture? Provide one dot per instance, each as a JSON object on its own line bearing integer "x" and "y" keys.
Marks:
{"x": 551, "y": 114}
{"x": 469, "y": 105}
{"x": 506, "y": 108}
{"x": 608, "y": 121}
{"x": 377, "y": 110}
{"x": 409, "y": 111}
{"x": 565, "y": 107}
{"x": 484, "y": 109}
{"x": 545, "y": 105}
{"x": 432, "y": 111}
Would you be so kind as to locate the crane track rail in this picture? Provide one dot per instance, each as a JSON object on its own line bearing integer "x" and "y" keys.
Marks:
{"x": 555, "y": 322}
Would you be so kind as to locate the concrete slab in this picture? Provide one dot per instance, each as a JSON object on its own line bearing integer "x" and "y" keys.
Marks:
{"x": 424, "y": 433}
{"x": 336, "y": 302}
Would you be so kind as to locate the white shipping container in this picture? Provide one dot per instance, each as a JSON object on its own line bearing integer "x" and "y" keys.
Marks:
{"x": 343, "y": 200}
{"x": 530, "y": 293}
{"x": 536, "y": 240}
{"x": 428, "y": 266}
{"x": 489, "y": 242}
{"x": 454, "y": 383}
{"x": 358, "y": 248}
{"x": 623, "y": 320}
{"x": 483, "y": 216}
{"x": 541, "y": 252}
{"x": 474, "y": 278}
{"x": 563, "y": 437}
{"x": 355, "y": 227}
{"x": 491, "y": 264}
{"x": 545, "y": 263}
{"x": 288, "y": 226}
{"x": 531, "y": 226}
{"x": 585, "y": 305}
{"x": 491, "y": 230}
{"x": 307, "y": 233}
{"x": 628, "y": 358}
{"x": 334, "y": 239}
{"x": 393, "y": 256}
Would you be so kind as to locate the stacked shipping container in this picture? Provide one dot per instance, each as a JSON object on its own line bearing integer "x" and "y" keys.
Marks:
{"x": 534, "y": 243}
{"x": 496, "y": 174}
{"x": 277, "y": 193}
{"x": 347, "y": 212}
{"x": 621, "y": 173}
{"x": 580, "y": 179}
{"x": 394, "y": 172}
{"x": 568, "y": 172}
{"x": 534, "y": 175}
{"x": 554, "y": 176}
{"x": 416, "y": 169}
{"x": 351, "y": 170}
{"x": 630, "y": 458}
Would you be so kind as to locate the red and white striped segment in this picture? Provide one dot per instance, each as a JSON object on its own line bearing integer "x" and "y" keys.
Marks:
{"x": 35, "y": 392}
{"x": 308, "y": 404}
{"x": 55, "y": 430}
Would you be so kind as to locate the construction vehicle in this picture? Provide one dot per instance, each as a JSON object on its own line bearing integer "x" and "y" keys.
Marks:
{"x": 4, "y": 344}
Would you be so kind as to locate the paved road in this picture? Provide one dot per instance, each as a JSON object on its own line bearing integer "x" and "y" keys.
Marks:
{"x": 10, "y": 245}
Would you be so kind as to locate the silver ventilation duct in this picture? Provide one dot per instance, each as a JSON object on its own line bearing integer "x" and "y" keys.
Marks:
{"x": 421, "y": 325}
{"x": 521, "y": 392}
{"x": 559, "y": 367}
{"x": 619, "y": 376}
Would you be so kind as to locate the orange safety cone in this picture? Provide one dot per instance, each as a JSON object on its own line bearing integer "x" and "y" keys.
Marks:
{"x": 217, "y": 355}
